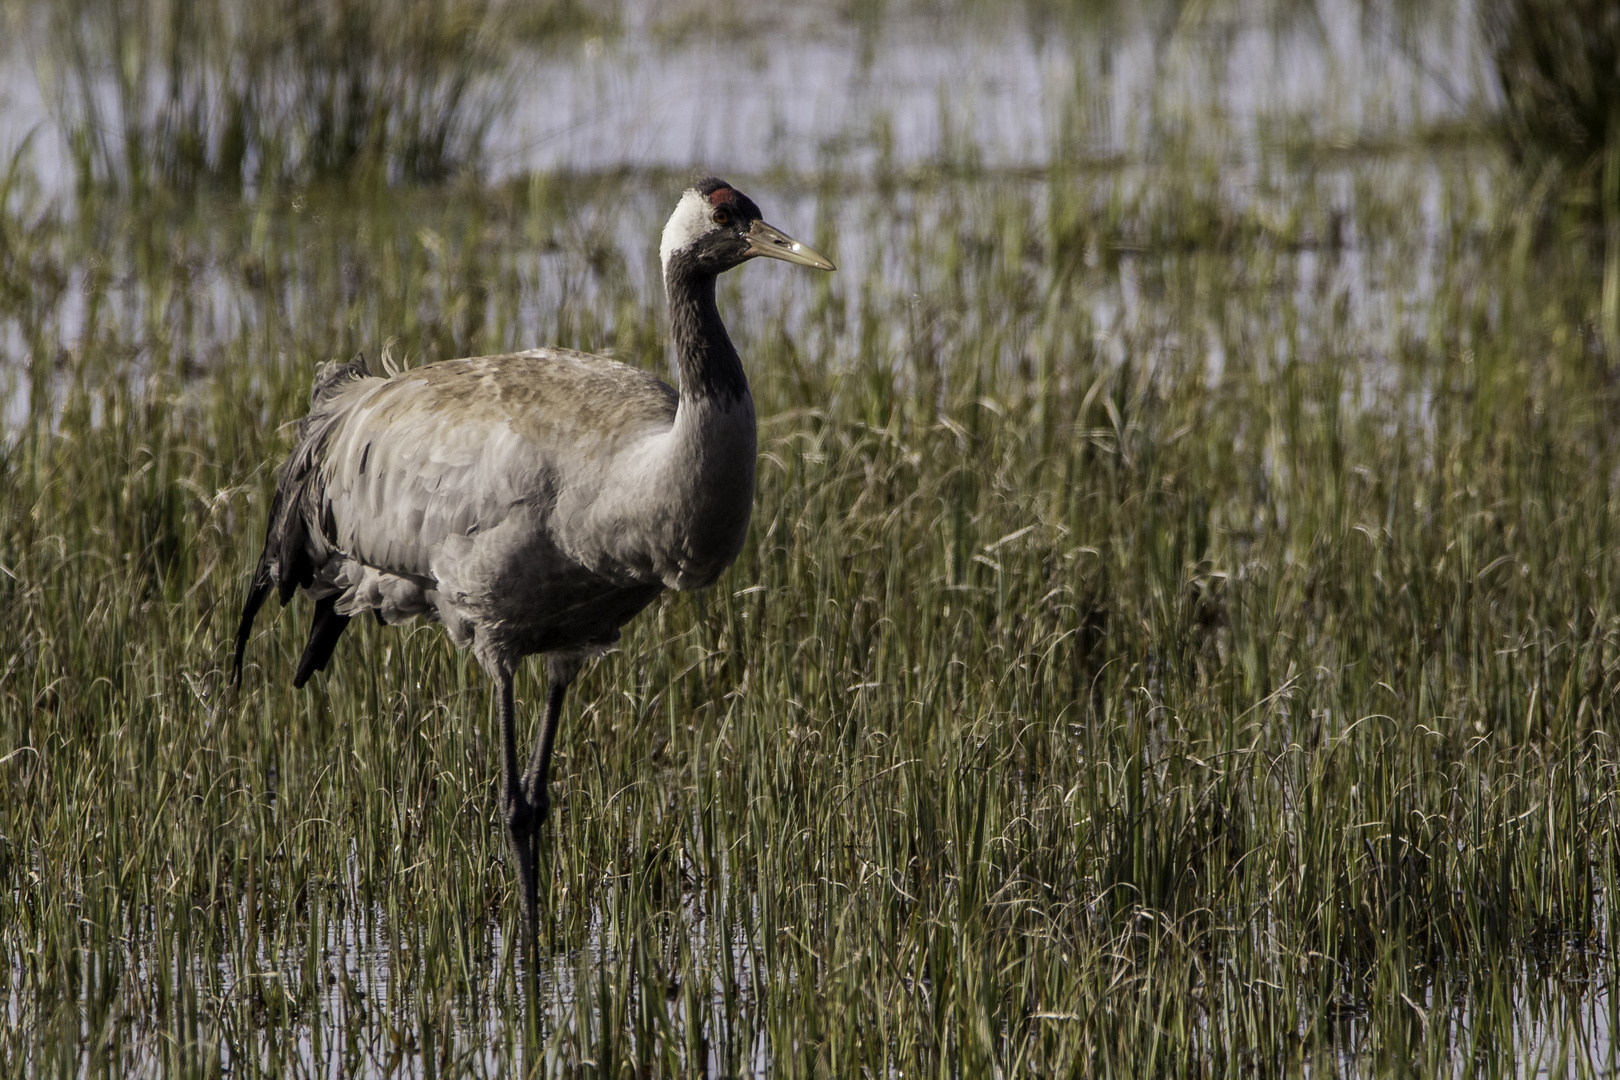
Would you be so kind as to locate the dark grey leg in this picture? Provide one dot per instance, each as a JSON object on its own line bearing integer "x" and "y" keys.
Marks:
{"x": 526, "y": 800}
{"x": 522, "y": 822}
{"x": 537, "y": 777}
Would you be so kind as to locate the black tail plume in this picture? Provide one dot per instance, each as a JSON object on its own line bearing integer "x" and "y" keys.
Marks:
{"x": 323, "y": 638}
{"x": 285, "y": 563}
{"x": 257, "y": 594}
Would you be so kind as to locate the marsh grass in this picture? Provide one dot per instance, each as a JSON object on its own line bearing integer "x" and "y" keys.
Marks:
{"x": 1177, "y": 637}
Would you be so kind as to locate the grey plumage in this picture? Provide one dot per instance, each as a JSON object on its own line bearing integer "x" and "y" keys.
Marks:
{"x": 531, "y": 502}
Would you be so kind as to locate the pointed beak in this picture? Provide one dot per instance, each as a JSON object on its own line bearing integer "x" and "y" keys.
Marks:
{"x": 773, "y": 243}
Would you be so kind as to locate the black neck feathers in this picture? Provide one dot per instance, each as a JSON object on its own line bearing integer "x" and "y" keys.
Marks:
{"x": 710, "y": 367}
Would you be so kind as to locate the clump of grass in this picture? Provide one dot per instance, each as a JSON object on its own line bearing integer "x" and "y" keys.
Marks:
{"x": 1558, "y": 68}
{"x": 175, "y": 96}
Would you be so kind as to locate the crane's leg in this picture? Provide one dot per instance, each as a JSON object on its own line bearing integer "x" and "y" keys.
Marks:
{"x": 537, "y": 777}
{"x": 522, "y": 820}
{"x": 526, "y": 800}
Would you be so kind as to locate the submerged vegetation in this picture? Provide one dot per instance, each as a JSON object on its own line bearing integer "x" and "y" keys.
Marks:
{"x": 1179, "y": 636}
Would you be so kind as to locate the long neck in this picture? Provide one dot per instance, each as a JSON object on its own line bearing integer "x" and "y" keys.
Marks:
{"x": 700, "y": 492}
{"x": 709, "y": 365}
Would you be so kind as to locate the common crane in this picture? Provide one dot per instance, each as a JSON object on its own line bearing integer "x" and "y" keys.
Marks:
{"x": 532, "y": 502}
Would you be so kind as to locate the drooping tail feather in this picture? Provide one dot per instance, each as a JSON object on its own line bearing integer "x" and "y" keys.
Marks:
{"x": 285, "y": 563}
{"x": 258, "y": 591}
{"x": 323, "y": 638}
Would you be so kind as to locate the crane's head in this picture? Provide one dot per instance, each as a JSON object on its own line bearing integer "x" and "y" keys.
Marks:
{"x": 717, "y": 227}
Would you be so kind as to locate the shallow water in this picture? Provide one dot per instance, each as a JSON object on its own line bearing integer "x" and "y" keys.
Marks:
{"x": 791, "y": 89}
{"x": 782, "y": 94}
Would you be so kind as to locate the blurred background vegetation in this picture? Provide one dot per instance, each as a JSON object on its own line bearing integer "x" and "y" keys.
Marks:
{"x": 1179, "y": 632}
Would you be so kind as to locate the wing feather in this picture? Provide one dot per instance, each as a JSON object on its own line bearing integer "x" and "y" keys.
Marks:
{"x": 389, "y": 475}
{"x": 452, "y": 449}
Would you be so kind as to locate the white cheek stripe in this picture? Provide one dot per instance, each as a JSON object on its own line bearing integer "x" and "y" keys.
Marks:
{"x": 689, "y": 223}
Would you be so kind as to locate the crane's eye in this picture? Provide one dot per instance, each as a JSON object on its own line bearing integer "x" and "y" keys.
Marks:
{"x": 722, "y": 217}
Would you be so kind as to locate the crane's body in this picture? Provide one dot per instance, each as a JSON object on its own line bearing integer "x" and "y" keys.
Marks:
{"x": 531, "y": 502}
